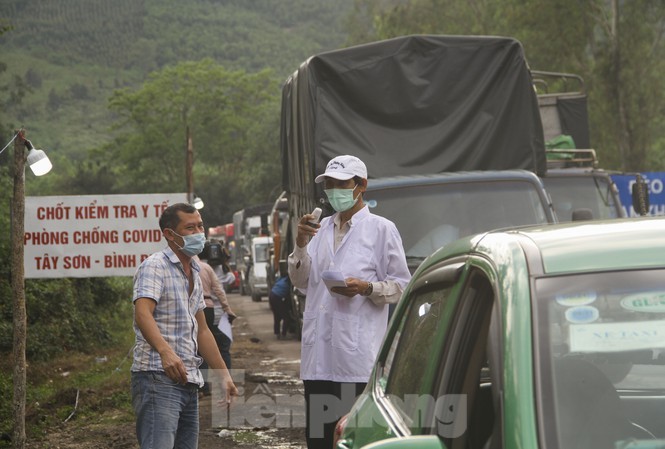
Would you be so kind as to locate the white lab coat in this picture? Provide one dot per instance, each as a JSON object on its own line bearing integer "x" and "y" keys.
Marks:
{"x": 342, "y": 336}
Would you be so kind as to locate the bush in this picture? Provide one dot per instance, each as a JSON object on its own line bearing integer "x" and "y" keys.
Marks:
{"x": 69, "y": 315}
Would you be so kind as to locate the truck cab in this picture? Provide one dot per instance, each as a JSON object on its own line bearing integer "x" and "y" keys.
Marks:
{"x": 431, "y": 211}
{"x": 579, "y": 190}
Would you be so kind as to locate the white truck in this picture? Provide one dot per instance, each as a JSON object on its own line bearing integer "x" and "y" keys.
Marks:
{"x": 258, "y": 267}
{"x": 251, "y": 256}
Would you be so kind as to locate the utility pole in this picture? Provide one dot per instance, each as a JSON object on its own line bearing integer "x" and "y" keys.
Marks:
{"x": 189, "y": 164}
{"x": 18, "y": 292}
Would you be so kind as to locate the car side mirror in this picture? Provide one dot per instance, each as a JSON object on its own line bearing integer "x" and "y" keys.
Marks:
{"x": 640, "y": 194}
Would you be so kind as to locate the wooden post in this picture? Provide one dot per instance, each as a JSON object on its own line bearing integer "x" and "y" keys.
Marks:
{"x": 18, "y": 291}
{"x": 189, "y": 166}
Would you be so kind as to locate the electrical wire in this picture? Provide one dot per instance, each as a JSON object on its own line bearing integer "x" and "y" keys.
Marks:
{"x": 10, "y": 142}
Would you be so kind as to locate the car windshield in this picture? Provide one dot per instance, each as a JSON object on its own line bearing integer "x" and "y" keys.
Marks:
{"x": 603, "y": 353}
{"x": 569, "y": 193}
{"x": 430, "y": 216}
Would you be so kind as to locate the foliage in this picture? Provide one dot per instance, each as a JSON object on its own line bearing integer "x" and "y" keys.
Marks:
{"x": 66, "y": 314}
{"x": 620, "y": 54}
{"x": 232, "y": 117}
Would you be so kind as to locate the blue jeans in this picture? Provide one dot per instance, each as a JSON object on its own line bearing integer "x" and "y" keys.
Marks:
{"x": 167, "y": 413}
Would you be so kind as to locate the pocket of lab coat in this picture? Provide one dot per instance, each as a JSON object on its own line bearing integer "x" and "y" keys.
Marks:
{"x": 308, "y": 328}
{"x": 345, "y": 330}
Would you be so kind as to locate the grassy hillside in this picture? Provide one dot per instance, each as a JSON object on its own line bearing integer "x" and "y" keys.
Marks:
{"x": 74, "y": 53}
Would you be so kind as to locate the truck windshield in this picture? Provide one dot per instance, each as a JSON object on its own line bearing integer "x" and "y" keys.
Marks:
{"x": 430, "y": 216}
{"x": 569, "y": 193}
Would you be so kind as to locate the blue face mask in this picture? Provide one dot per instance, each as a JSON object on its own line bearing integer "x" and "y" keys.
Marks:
{"x": 341, "y": 199}
{"x": 193, "y": 243}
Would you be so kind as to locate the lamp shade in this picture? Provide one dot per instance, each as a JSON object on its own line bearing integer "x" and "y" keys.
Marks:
{"x": 39, "y": 162}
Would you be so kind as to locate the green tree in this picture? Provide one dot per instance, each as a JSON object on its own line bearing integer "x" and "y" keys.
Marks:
{"x": 233, "y": 117}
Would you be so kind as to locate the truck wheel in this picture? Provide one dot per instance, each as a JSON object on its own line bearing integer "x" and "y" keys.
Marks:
{"x": 256, "y": 298}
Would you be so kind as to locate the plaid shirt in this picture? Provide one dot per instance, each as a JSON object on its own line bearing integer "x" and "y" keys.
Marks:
{"x": 161, "y": 277}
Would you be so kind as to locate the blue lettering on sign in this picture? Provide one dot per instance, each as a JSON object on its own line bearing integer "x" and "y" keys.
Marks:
{"x": 655, "y": 181}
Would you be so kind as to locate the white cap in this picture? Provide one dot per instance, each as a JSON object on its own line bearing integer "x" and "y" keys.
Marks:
{"x": 343, "y": 167}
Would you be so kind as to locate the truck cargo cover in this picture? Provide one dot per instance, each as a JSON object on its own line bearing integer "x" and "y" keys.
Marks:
{"x": 412, "y": 105}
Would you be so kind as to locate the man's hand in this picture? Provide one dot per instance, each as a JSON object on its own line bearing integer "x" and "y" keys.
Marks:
{"x": 306, "y": 229}
{"x": 174, "y": 366}
{"x": 230, "y": 391}
{"x": 353, "y": 287}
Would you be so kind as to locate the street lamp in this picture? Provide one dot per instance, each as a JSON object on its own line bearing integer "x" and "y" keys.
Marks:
{"x": 40, "y": 165}
{"x": 37, "y": 160}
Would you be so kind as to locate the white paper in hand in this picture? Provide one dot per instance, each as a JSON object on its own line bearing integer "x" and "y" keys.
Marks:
{"x": 224, "y": 325}
{"x": 333, "y": 279}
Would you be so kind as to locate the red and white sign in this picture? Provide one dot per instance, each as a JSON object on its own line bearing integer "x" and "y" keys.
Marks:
{"x": 92, "y": 235}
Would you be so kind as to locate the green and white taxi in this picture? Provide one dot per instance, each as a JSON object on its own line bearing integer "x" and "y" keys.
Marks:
{"x": 541, "y": 337}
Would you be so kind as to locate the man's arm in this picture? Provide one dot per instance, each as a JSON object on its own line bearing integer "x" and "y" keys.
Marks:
{"x": 218, "y": 291}
{"x": 210, "y": 353}
{"x": 173, "y": 365}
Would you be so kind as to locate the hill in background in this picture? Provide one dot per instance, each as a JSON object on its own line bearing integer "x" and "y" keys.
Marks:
{"x": 74, "y": 53}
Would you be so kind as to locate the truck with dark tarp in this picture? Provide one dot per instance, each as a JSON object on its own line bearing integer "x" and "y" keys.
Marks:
{"x": 410, "y": 107}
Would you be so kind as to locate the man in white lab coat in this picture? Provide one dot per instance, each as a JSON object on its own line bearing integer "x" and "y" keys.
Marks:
{"x": 343, "y": 327}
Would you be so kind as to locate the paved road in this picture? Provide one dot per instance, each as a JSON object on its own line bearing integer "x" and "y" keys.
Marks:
{"x": 259, "y": 320}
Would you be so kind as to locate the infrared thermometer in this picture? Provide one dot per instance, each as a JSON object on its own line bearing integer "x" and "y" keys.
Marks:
{"x": 317, "y": 216}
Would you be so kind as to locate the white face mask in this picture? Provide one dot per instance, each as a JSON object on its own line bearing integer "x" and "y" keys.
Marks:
{"x": 193, "y": 243}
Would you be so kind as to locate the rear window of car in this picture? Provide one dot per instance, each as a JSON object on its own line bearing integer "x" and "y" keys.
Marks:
{"x": 602, "y": 337}
{"x": 615, "y": 320}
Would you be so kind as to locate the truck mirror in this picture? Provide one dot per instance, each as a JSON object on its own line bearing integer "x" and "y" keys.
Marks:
{"x": 582, "y": 214}
{"x": 640, "y": 194}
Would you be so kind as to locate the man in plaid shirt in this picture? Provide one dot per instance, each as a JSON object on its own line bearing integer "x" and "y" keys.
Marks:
{"x": 171, "y": 328}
